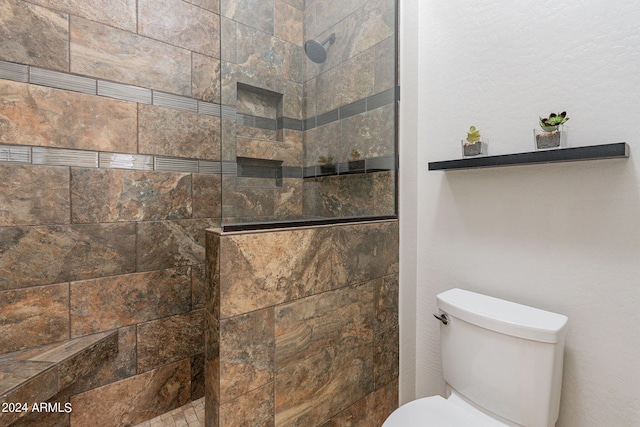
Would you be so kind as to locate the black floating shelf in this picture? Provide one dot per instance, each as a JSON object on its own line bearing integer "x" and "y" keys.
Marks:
{"x": 592, "y": 152}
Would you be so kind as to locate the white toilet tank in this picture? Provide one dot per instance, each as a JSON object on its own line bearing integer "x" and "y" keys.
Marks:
{"x": 504, "y": 358}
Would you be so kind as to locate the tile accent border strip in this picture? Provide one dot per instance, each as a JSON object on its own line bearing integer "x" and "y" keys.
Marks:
{"x": 124, "y": 92}
{"x": 98, "y": 159}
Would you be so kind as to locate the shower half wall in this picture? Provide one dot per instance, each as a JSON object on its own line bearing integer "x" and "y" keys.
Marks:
{"x": 128, "y": 128}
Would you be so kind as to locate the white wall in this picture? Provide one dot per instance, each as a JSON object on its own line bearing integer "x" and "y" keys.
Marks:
{"x": 562, "y": 237}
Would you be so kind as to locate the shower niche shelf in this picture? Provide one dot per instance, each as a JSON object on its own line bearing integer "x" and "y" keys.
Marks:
{"x": 572, "y": 154}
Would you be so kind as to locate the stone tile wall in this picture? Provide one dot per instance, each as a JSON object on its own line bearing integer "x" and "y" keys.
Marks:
{"x": 91, "y": 249}
{"x": 302, "y": 326}
{"x": 360, "y": 65}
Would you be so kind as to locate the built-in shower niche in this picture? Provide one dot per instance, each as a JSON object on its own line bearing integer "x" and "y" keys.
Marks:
{"x": 262, "y": 172}
{"x": 258, "y": 112}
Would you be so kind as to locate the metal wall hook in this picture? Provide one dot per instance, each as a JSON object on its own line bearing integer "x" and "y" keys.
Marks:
{"x": 443, "y": 318}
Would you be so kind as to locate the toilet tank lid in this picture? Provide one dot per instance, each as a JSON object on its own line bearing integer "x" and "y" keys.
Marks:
{"x": 502, "y": 316}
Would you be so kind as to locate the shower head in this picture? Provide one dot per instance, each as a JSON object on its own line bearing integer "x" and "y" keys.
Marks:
{"x": 315, "y": 50}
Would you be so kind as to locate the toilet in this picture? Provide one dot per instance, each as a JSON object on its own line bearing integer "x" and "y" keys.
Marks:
{"x": 502, "y": 364}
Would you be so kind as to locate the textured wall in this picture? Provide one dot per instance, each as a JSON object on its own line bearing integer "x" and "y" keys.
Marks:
{"x": 90, "y": 249}
{"x": 302, "y": 326}
{"x": 563, "y": 237}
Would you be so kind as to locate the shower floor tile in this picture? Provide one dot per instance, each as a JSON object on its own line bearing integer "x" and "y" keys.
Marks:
{"x": 189, "y": 415}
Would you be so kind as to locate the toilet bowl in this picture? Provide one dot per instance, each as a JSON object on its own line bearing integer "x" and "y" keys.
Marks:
{"x": 501, "y": 361}
{"x": 436, "y": 411}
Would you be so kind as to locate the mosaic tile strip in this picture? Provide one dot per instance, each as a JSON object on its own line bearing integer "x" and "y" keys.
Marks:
{"x": 59, "y": 80}
{"x": 124, "y": 92}
{"x": 64, "y": 157}
{"x": 73, "y": 82}
{"x": 15, "y": 154}
{"x": 177, "y": 102}
{"x": 172, "y": 164}
{"x": 125, "y": 161}
{"x": 15, "y": 72}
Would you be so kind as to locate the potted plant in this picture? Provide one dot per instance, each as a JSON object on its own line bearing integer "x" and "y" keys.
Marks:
{"x": 553, "y": 134}
{"x": 473, "y": 145}
{"x": 356, "y": 163}
{"x": 327, "y": 167}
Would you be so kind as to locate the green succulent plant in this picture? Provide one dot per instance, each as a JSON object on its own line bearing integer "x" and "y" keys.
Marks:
{"x": 551, "y": 123}
{"x": 473, "y": 135}
{"x": 355, "y": 155}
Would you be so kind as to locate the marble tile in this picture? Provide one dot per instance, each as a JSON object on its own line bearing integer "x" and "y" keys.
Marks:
{"x": 366, "y": 251}
{"x": 211, "y": 5}
{"x": 229, "y": 42}
{"x": 117, "y": 301}
{"x": 42, "y": 255}
{"x": 169, "y": 132}
{"x": 168, "y": 244}
{"x": 250, "y": 132}
{"x": 212, "y": 274}
{"x": 112, "y": 54}
{"x": 247, "y": 348}
{"x": 342, "y": 317}
{"x": 288, "y": 21}
{"x": 180, "y": 24}
{"x": 350, "y": 81}
{"x": 296, "y": 3}
{"x": 135, "y": 399}
{"x": 207, "y": 197}
{"x": 37, "y": 390}
{"x": 372, "y": 410}
{"x": 384, "y": 193}
{"x": 323, "y": 141}
{"x": 258, "y": 15}
{"x": 34, "y": 316}
{"x": 48, "y": 419}
{"x": 386, "y": 356}
{"x": 34, "y": 195}
{"x": 170, "y": 339}
{"x": 205, "y": 79}
{"x": 212, "y": 370}
{"x": 261, "y": 54}
{"x": 251, "y": 202}
{"x": 385, "y": 65}
{"x": 368, "y": 26}
{"x": 38, "y": 115}
{"x": 330, "y": 12}
{"x": 386, "y": 302}
{"x": 117, "y": 13}
{"x": 345, "y": 195}
{"x": 255, "y": 408}
{"x": 288, "y": 151}
{"x": 312, "y": 390}
{"x": 197, "y": 376}
{"x": 33, "y": 35}
{"x": 372, "y": 133}
{"x": 112, "y": 195}
{"x": 122, "y": 365}
{"x": 83, "y": 362}
{"x": 264, "y": 269}
{"x": 198, "y": 283}
{"x": 288, "y": 199}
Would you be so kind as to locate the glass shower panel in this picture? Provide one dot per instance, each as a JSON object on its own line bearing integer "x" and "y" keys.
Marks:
{"x": 308, "y": 92}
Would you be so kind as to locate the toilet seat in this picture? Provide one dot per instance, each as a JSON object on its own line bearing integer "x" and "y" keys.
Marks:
{"x": 435, "y": 411}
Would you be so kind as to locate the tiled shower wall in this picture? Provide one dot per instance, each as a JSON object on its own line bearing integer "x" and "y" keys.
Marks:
{"x": 349, "y": 107}
{"x": 100, "y": 227}
{"x": 302, "y": 326}
{"x": 296, "y": 112}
